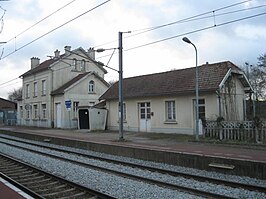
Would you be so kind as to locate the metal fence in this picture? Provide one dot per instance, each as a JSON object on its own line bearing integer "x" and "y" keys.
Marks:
{"x": 235, "y": 130}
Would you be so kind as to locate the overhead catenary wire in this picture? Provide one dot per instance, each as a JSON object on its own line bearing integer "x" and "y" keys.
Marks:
{"x": 43, "y": 35}
{"x": 188, "y": 19}
{"x": 43, "y": 19}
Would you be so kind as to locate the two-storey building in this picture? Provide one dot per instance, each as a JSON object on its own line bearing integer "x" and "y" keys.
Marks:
{"x": 54, "y": 89}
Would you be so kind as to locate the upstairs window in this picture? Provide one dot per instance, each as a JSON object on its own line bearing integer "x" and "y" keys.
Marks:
{"x": 43, "y": 87}
{"x": 35, "y": 89}
{"x": 74, "y": 64}
{"x": 91, "y": 87}
{"x": 27, "y": 91}
{"x": 82, "y": 65}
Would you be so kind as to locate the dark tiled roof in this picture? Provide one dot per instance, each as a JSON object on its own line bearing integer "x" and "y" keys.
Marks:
{"x": 41, "y": 67}
{"x": 61, "y": 90}
{"x": 176, "y": 82}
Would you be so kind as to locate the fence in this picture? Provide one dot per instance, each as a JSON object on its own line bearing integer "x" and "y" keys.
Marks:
{"x": 239, "y": 131}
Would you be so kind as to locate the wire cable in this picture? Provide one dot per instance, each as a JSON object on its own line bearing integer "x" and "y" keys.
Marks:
{"x": 36, "y": 39}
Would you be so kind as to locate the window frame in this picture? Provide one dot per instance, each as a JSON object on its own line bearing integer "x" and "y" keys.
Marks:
{"x": 27, "y": 91}
{"x": 170, "y": 111}
{"x": 44, "y": 111}
{"x": 44, "y": 87}
{"x": 91, "y": 86}
{"x": 35, "y": 89}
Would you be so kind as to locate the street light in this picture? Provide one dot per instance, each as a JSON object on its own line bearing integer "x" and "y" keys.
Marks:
{"x": 185, "y": 39}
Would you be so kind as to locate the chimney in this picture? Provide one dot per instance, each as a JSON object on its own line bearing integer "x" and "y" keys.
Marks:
{"x": 35, "y": 61}
{"x": 91, "y": 53}
{"x": 67, "y": 50}
{"x": 207, "y": 63}
{"x": 57, "y": 53}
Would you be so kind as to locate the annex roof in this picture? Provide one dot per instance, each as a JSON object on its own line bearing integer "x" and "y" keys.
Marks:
{"x": 175, "y": 82}
{"x": 61, "y": 90}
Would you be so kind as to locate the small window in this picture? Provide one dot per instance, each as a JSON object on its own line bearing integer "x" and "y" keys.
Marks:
{"x": 91, "y": 86}
{"x": 35, "y": 111}
{"x": 44, "y": 115}
{"x": 21, "y": 112}
{"x": 35, "y": 89}
{"x": 170, "y": 110}
{"x": 43, "y": 87}
{"x": 124, "y": 111}
{"x": 27, "y": 91}
{"x": 82, "y": 65}
{"x": 74, "y": 64}
{"x": 75, "y": 109}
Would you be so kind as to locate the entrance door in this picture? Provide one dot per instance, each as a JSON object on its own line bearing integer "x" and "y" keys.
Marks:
{"x": 84, "y": 119}
{"x": 145, "y": 116}
{"x": 58, "y": 115}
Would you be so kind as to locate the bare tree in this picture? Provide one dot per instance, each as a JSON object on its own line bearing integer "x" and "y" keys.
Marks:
{"x": 15, "y": 95}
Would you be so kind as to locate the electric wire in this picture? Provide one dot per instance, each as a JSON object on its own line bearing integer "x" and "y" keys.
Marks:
{"x": 36, "y": 39}
{"x": 195, "y": 17}
{"x": 38, "y": 22}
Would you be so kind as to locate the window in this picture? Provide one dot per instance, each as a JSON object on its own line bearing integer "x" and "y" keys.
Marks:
{"x": 35, "y": 89}
{"x": 91, "y": 87}
{"x": 43, "y": 87}
{"x": 28, "y": 114}
{"x": 35, "y": 111}
{"x": 74, "y": 64}
{"x": 27, "y": 91}
{"x": 124, "y": 111}
{"x": 75, "y": 109}
{"x": 201, "y": 109}
{"x": 170, "y": 110}
{"x": 21, "y": 112}
{"x": 44, "y": 111}
{"x": 82, "y": 65}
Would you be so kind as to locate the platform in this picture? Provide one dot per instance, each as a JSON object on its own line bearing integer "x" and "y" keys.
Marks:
{"x": 243, "y": 160}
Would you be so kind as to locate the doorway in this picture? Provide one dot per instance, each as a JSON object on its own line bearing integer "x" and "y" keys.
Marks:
{"x": 145, "y": 116}
{"x": 84, "y": 119}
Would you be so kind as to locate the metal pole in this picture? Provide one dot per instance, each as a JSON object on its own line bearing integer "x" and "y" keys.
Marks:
{"x": 197, "y": 94}
{"x": 120, "y": 106}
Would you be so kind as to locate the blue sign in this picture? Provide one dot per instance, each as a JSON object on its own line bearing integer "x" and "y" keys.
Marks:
{"x": 68, "y": 104}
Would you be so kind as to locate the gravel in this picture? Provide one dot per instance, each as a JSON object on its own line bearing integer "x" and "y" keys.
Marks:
{"x": 125, "y": 188}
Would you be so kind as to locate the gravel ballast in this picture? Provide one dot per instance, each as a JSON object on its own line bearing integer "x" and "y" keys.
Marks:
{"x": 121, "y": 187}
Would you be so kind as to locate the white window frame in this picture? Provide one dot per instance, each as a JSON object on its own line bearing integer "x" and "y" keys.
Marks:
{"x": 35, "y": 111}
{"x": 74, "y": 64}
{"x": 44, "y": 111}
{"x": 170, "y": 110}
{"x": 82, "y": 65}
{"x": 91, "y": 86}
{"x": 35, "y": 89}
{"x": 75, "y": 109}
{"x": 27, "y": 91}
{"x": 43, "y": 87}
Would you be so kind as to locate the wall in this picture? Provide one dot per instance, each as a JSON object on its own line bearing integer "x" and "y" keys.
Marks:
{"x": 184, "y": 123}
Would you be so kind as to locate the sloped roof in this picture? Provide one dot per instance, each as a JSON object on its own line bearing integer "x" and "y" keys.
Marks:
{"x": 47, "y": 63}
{"x": 176, "y": 82}
{"x": 61, "y": 89}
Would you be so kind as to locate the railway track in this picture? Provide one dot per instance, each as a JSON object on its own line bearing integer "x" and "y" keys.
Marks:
{"x": 40, "y": 184}
{"x": 152, "y": 169}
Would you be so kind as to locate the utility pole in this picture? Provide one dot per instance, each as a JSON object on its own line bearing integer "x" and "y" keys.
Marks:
{"x": 120, "y": 106}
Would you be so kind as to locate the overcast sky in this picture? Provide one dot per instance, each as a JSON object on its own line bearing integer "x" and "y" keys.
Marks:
{"x": 221, "y": 34}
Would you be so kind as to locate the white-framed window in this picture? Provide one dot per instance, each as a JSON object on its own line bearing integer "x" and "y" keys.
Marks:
{"x": 28, "y": 113}
{"x": 75, "y": 109}
{"x": 35, "y": 111}
{"x": 43, "y": 87}
{"x": 35, "y": 89}
{"x": 124, "y": 111}
{"x": 21, "y": 111}
{"x": 170, "y": 110}
{"x": 44, "y": 110}
{"x": 91, "y": 86}
{"x": 74, "y": 64}
{"x": 27, "y": 91}
{"x": 202, "y": 114}
{"x": 82, "y": 65}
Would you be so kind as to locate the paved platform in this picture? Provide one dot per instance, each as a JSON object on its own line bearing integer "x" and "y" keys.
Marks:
{"x": 166, "y": 149}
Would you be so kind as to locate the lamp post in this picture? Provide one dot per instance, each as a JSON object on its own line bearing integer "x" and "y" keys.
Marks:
{"x": 185, "y": 39}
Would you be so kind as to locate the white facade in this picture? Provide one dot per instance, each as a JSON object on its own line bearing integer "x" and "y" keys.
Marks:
{"x": 73, "y": 78}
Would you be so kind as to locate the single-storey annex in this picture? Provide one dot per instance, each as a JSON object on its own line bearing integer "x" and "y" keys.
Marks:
{"x": 165, "y": 102}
